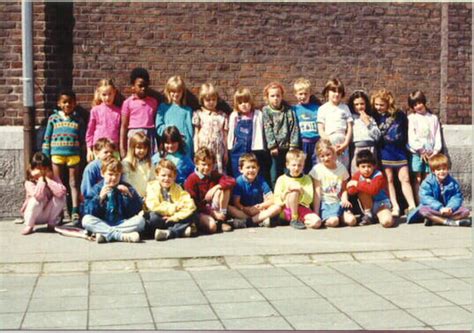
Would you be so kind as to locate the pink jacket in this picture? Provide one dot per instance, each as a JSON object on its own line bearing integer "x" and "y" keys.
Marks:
{"x": 104, "y": 122}
{"x": 40, "y": 191}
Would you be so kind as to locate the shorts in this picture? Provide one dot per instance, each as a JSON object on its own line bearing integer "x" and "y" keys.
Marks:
{"x": 381, "y": 204}
{"x": 330, "y": 210}
{"x": 418, "y": 165}
{"x": 302, "y": 212}
{"x": 68, "y": 160}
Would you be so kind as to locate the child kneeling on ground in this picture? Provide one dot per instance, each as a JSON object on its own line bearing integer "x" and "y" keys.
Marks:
{"x": 112, "y": 209}
{"x": 170, "y": 207}
{"x": 211, "y": 192}
{"x": 440, "y": 197}
{"x": 294, "y": 191}
{"x": 253, "y": 202}
{"x": 371, "y": 188}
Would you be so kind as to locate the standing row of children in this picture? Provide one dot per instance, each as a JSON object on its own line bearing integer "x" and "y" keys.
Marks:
{"x": 323, "y": 133}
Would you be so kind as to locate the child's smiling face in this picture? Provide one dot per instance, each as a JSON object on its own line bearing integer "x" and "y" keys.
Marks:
{"x": 107, "y": 95}
{"x": 420, "y": 108}
{"x": 67, "y": 104}
{"x": 295, "y": 166}
{"x": 140, "y": 87}
{"x": 380, "y": 105}
{"x": 166, "y": 177}
{"x": 176, "y": 96}
{"x": 210, "y": 102}
{"x": 359, "y": 105}
{"x": 302, "y": 96}
{"x": 250, "y": 170}
{"x": 140, "y": 151}
{"x": 171, "y": 147}
{"x": 328, "y": 157}
{"x": 334, "y": 96}
{"x": 244, "y": 107}
{"x": 274, "y": 98}
{"x": 205, "y": 166}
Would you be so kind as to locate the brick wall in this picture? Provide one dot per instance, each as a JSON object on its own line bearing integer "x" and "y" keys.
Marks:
{"x": 367, "y": 45}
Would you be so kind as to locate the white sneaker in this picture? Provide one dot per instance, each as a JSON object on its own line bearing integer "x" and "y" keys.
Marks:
{"x": 239, "y": 223}
{"x": 131, "y": 237}
{"x": 187, "y": 232}
{"x": 267, "y": 223}
{"x": 161, "y": 235}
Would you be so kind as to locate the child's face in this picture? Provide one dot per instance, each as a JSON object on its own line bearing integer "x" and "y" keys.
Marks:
{"x": 38, "y": 172}
{"x": 328, "y": 157}
{"x": 420, "y": 108}
{"x": 366, "y": 169}
{"x": 302, "y": 96}
{"x": 295, "y": 166}
{"x": 107, "y": 95}
{"x": 380, "y": 105}
{"x": 166, "y": 177}
{"x": 274, "y": 97}
{"x": 244, "y": 107}
{"x": 334, "y": 97}
{"x": 441, "y": 173}
{"x": 140, "y": 151}
{"x": 171, "y": 147}
{"x": 359, "y": 105}
{"x": 104, "y": 153}
{"x": 66, "y": 104}
{"x": 249, "y": 170}
{"x": 111, "y": 178}
{"x": 176, "y": 96}
{"x": 140, "y": 87}
{"x": 210, "y": 103}
{"x": 205, "y": 166}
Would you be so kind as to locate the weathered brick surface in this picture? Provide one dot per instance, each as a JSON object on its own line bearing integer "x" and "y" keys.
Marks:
{"x": 367, "y": 45}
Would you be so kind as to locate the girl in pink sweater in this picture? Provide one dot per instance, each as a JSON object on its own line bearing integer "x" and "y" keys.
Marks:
{"x": 45, "y": 195}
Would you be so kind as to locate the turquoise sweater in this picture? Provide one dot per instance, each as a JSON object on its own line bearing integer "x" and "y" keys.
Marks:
{"x": 63, "y": 135}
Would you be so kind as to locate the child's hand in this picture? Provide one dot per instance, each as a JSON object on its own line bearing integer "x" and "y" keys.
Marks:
{"x": 36, "y": 173}
{"x": 103, "y": 193}
{"x": 352, "y": 183}
{"x": 446, "y": 211}
{"x": 259, "y": 207}
{"x": 274, "y": 152}
{"x": 90, "y": 155}
{"x": 209, "y": 195}
{"x": 251, "y": 211}
{"x": 124, "y": 190}
{"x": 340, "y": 149}
{"x": 346, "y": 203}
{"x": 364, "y": 117}
{"x": 219, "y": 216}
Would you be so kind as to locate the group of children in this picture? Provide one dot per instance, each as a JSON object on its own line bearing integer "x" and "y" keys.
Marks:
{"x": 162, "y": 170}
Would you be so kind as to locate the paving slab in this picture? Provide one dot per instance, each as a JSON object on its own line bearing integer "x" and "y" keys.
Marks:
{"x": 418, "y": 300}
{"x": 139, "y": 326}
{"x": 117, "y": 301}
{"x": 293, "y": 259}
{"x": 172, "y": 275}
{"x": 221, "y": 274}
{"x": 81, "y": 266}
{"x": 263, "y": 271}
{"x": 303, "y": 306}
{"x": 55, "y": 320}
{"x": 459, "y": 297}
{"x": 410, "y": 254}
{"x": 275, "y": 281}
{"x": 124, "y": 316}
{"x": 49, "y": 304}
{"x": 224, "y": 284}
{"x": 244, "y": 310}
{"x": 265, "y": 323}
{"x": 384, "y": 320}
{"x": 13, "y": 305}
{"x": 362, "y": 303}
{"x": 323, "y": 321}
{"x": 449, "y": 252}
{"x": 114, "y": 277}
{"x": 459, "y": 272}
{"x": 446, "y": 285}
{"x": 313, "y": 269}
{"x": 331, "y": 257}
{"x": 234, "y": 295}
{"x": 342, "y": 290}
{"x": 183, "y": 313}
{"x": 238, "y": 261}
{"x": 443, "y": 315}
{"x": 426, "y": 274}
{"x": 21, "y": 268}
{"x": 331, "y": 278}
{"x": 110, "y": 265}
{"x": 191, "y": 325}
{"x": 156, "y": 287}
{"x": 394, "y": 288}
{"x": 160, "y": 298}
{"x": 144, "y": 265}
{"x": 10, "y": 321}
{"x": 288, "y": 293}
{"x": 111, "y": 289}
{"x": 370, "y": 256}
{"x": 64, "y": 291}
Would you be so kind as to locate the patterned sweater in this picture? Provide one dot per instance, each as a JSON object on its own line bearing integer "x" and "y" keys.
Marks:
{"x": 281, "y": 128}
{"x": 63, "y": 135}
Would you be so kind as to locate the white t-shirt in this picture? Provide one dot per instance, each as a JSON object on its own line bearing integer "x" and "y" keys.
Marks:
{"x": 330, "y": 180}
{"x": 334, "y": 117}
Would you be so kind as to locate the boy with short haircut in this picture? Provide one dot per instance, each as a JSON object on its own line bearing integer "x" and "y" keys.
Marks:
{"x": 440, "y": 197}
{"x": 111, "y": 214}
{"x": 307, "y": 117}
{"x": 170, "y": 207}
{"x": 253, "y": 202}
{"x": 294, "y": 192}
{"x": 370, "y": 186}
{"x": 103, "y": 149}
{"x": 211, "y": 192}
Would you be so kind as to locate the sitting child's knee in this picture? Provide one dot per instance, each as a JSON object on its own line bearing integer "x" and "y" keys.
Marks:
{"x": 332, "y": 222}
{"x": 386, "y": 222}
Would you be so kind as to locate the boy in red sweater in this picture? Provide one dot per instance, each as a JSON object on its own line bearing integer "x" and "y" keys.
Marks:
{"x": 211, "y": 192}
{"x": 371, "y": 188}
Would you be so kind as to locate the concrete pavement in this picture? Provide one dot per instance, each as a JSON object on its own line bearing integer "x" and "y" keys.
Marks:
{"x": 410, "y": 277}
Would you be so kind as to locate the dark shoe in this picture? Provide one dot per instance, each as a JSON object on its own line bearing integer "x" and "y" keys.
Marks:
{"x": 458, "y": 223}
{"x": 100, "y": 239}
{"x": 428, "y": 223}
{"x": 239, "y": 223}
{"x": 297, "y": 224}
{"x": 366, "y": 220}
{"x": 465, "y": 222}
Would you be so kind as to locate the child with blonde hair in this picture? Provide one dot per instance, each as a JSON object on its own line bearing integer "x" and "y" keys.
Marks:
{"x": 329, "y": 180}
{"x": 170, "y": 207}
{"x": 211, "y": 126}
{"x": 175, "y": 113}
{"x": 253, "y": 200}
{"x": 104, "y": 121}
{"x": 245, "y": 131}
{"x": 45, "y": 195}
{"x": 335, "y": 120}
{"x": 138, "y": 111}
{"x": 307, "y": 115}
{"x": 424, "y": 136}
{"x": 280, "y": 126}
{"x": 137, "y": 168}
{"x": 294, "y": 193}
{"x": 393, "y": 125}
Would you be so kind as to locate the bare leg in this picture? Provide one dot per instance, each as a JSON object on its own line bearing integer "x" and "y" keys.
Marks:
{"x": 416, "y": 184}
{"x": 207, "y": 223}
{"x": 391, "y": 191}
{"x": 366, "y": 201}
{"x": 271, "y": 211}
{"x": 73, "y": 175}
{"x": 349, "y": 219}
{"x": 404, "y": 177}
{"x": 332, "y": 222}
{"x": 385, "y": 218}
{"x": 237, "y": 213}
{"x": 292, "y": 202}
{"x": 312, "y": 221}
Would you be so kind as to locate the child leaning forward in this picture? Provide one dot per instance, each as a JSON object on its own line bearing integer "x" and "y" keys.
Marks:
{"x": 171, "y": 208}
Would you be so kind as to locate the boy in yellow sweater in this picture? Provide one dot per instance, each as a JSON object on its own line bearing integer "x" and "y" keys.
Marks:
{"x": 294, "y": 192}
{"x": 170, "y": 207}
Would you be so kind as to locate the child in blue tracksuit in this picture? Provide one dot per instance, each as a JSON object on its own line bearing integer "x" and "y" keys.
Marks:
{"x": 440, "y": 197}
{"x": 112, "y": 208}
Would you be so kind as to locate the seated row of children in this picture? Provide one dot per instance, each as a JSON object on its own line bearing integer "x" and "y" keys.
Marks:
{"x": 114, "y": 211}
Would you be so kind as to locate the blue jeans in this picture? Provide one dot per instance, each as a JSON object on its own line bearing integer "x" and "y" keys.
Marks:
{"x": 176, "y": 229}
{"x": 278, "y": 166}
{"x": 96, "y": 225}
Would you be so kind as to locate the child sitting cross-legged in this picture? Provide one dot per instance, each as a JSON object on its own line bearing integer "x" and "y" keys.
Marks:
{"x": 112, "y": 209}
{"x": 171, "y": 208}
{"x": 253, "y": 203}
{"x": 371, "y": 188}
{"x": 440, "y": 197}
{"x": 294, "y": 192}
{"x": 211, "y": 192}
